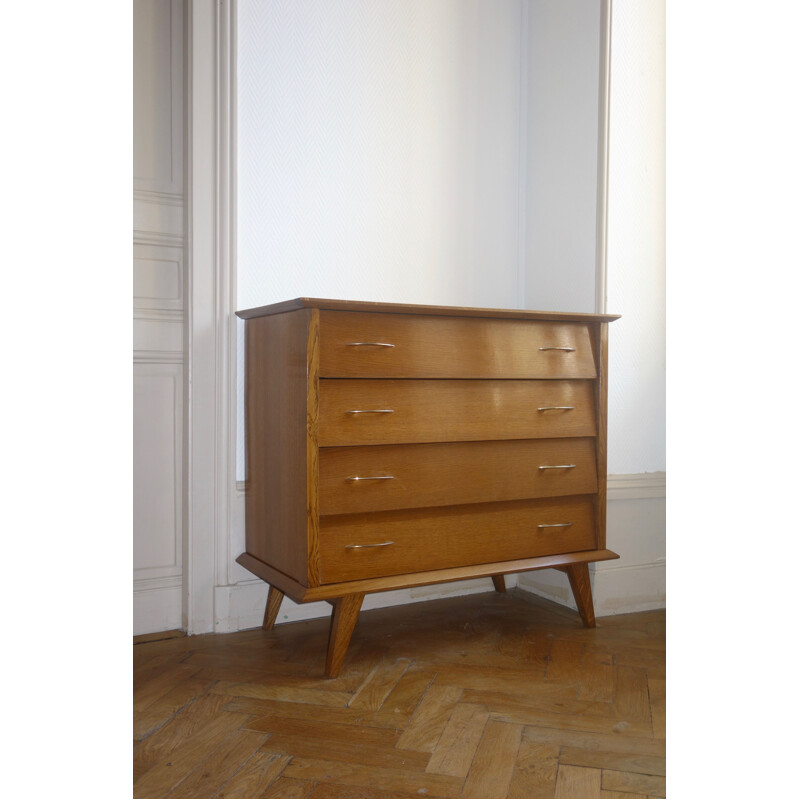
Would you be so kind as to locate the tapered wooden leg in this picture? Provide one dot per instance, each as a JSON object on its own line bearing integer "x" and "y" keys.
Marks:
{"x": 274, "y": 599}
{"x": 343, "y": 620}
{"x": 499, "y": 583}
{"x": 578, "y": 575}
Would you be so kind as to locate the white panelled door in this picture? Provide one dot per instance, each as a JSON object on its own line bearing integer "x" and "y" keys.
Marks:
{"x": 158, "y": 315}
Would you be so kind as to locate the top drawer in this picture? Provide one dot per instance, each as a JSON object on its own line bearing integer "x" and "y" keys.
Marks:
{"x": 363, "y": 345}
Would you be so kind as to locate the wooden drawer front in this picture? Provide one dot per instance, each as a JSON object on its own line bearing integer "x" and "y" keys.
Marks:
{"x": 435, "y": 538}
{"x": 357, "y": 345}
{"x": 383, "y": 477}
{"x": 393, "y": 412}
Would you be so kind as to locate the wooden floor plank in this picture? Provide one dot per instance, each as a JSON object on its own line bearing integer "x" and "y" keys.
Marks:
{"x": 596, "y": 678}
{"x": 459, "y": 741}
{"x": 624, "y": 762}
{"x": 160, "y": 779}
{"x": 289, "y": 787}
{"x": 584, "y": 740}
{"x": 209, "y": 776}
{"x": 535, "y": 771}
{"x": 363, "y": 754}
{"x": 353, "y": 735}
{"x": 631, "y": 697}
{"x": 494, "y": 761}
{"x": 255, "y": 777}
{"x": 651, "y": 785}
{"x": 165, "y": 707}
{"x": 378, "y": 685}
{"x": 399, "y": 782}
{"x": 578, "y": 782}
{"x": 430, "y": 718}
{"x": 657, "y": 690}
{"x": 565, "y": 659}
{"x": 333, "y": 790}
{"x": 399, "y": 706}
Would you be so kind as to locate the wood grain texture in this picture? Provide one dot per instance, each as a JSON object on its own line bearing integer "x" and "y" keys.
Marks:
{"x": 456, "y": 747}
{"x": 601, "y": 409}
{"x": 413, "y": 308}
{"x": 274, "y": 599}
{"x": 441, "y": 474}
{"x": 303, "y": 594}
{"x": 452, "y": 411}
{"x": 275, "y": 432}
{"x": 451, "y": 536}
{"x": 312, "y": 448}
{"x": 493, "y": 765}
{"x": 581, "y": 586}
{"x": 343, "y": 621}
{"x": 469, "y": 715}
{"x": 578, "y": 781}
{"x": 451, "y": 347}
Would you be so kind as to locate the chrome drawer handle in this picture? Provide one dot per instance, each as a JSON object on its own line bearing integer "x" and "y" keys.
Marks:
{"x": 370, "y": 411}
{"x": 368, "y": 344}
{"x": 556, "y": 525}
{"x": 360, "y": 546}
{"x": 370, "y": 478}
{"x": 556, "y": 408}
{"x": 557, "y": 466}
{"x": 567, "y": 349}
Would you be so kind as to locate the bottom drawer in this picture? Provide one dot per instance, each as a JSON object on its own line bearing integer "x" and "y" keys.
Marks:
{"x": 355, "y": 546}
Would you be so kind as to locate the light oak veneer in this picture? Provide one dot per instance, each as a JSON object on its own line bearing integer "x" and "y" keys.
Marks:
{"x": 391, "y": 446}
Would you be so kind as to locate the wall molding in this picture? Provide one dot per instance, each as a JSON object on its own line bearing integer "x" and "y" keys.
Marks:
{"x": 211, "y": 295}
{"x": 159, "y": 198}
{"x": 640, "y": 486}
{"x": 158, "y": 314}
{"x": 156, "y": 584}
{"x": 603, "y": 122}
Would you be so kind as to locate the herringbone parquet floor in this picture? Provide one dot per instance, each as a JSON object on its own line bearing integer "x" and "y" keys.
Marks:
{"x": 489, "y": 695}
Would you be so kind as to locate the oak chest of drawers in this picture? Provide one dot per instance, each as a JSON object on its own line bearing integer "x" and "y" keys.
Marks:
{"x": 391, "y": 446}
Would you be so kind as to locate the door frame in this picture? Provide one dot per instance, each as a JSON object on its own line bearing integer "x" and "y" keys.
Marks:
{"x": 210, "y": 453}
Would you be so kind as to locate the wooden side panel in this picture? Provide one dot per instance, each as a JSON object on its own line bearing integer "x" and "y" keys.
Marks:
{"x": 399, "y": 411}
{"x": 601, "y": 407}
{"x": 357, "y": 345}
{"x": 276, "y": 391}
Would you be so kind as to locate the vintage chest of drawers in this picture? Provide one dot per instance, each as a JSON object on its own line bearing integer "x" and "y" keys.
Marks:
{"x": 391, "y": 446}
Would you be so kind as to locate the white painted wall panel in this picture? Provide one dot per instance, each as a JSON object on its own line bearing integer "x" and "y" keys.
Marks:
{"x": 563, "y": 77}
{"x": 158, "y": 323}
{"x": 157, "y": 95}
{"x": 636, "y": 284}
{"x": 157, "y": 526}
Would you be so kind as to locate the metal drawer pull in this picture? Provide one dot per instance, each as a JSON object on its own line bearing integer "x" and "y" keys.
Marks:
{"x": 368, "y": 344}
{"x": 568, "y": 349}
{"x": 359, "y": 546}
{"x": 370, "y": 411}
{"x": 556, "y": 408}
{"x": 556, "y": 525}
{"x": 370, "y": 478}
{"x": 557, "y": 466}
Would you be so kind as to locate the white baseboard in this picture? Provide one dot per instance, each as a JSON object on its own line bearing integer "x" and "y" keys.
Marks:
{"x": 157, "y": 607}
